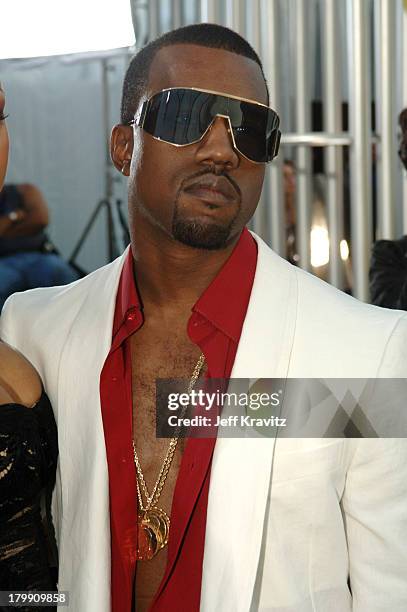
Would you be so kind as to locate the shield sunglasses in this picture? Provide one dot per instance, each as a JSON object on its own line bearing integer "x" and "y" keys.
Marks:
{"x": 182, "y": 116}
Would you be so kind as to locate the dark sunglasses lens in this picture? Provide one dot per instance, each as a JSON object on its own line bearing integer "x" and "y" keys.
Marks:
{"x": 182, "y": 116}
{"x": 178, "y": 116}
{"x": 255, "y": 136}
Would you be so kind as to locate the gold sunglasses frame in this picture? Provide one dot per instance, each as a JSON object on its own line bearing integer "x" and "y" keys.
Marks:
{"x": 139, "y": 118}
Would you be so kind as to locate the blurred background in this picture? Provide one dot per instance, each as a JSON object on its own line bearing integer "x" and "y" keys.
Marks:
{"x": 336, "y": 75}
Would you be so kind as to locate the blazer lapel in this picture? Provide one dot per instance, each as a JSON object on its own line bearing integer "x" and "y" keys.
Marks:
{"x": 241, "y": 468}
{"x": 85, "y": 528}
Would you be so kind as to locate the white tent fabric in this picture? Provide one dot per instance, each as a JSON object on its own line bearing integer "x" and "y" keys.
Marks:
{"x": 47, "y": 27}
{"x": 58, "y": 140}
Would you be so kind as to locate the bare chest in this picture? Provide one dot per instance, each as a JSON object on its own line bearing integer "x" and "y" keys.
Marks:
{"x": 153, "y": 357}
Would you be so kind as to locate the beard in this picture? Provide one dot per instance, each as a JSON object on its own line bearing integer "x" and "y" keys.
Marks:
{"x": 198, "y": 235}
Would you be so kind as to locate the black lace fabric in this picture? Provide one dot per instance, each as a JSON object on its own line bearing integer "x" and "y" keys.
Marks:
{"x": 28, "y": 456}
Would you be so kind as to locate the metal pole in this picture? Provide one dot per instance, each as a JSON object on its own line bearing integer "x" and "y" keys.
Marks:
{"x": 333, "y": 155}
{"x": 106, "y": 111}
{"x": 234, "y": 14}
{"x": 176, "y": 13}
{"x": 252, "y": 33}
{"x": 303, "y": 119}
{"x": 318, "y": 139}
{"x": 386, "y": 113}
{"x": 140, "y": 18}
{"x": 360, "y": 150}
{"x": 153, "y": 19}
{"x": 270, "y": 39}
{"x": 404, "y": 105}
{"x": 252, "y": 18}
{"x": 190, "y": 12}
{"x": 209, "y": 12}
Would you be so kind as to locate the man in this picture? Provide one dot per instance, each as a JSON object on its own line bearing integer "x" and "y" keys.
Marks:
{"x": 388, "y": 269}
{"x": 254, "y": 524}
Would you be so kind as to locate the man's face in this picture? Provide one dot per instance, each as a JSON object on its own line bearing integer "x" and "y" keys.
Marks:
{"x": 3, "y": 141}
{"x": 202, "y": 194}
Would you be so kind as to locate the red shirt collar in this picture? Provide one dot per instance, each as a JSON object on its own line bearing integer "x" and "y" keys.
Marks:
{"x": 223, "y": 303}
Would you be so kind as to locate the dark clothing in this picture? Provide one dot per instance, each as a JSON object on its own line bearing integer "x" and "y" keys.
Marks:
{"x": 28, "y": 457}
{"x": 388, "y": 274}
{"x": 215, "y": 326}
{"x": 28, "y": 262}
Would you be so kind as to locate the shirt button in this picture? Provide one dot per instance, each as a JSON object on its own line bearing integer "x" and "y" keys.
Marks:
{"x": 114, "y": 378}
{"x": 131, "y": 315}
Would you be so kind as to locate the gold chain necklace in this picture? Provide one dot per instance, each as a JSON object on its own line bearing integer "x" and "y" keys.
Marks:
{"x": 153, "y": 524}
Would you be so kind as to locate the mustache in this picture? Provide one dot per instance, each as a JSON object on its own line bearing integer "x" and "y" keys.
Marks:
{"x": 210, "y": 172}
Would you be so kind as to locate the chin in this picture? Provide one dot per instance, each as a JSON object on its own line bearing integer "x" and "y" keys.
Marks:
{"x": 210, "y": 237}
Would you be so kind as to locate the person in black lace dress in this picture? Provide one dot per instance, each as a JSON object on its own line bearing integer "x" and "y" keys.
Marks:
{"x": 28, "y": 456}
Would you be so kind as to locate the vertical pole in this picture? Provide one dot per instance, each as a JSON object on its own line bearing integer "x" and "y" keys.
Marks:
{"x": 360, "y": 150}
{"x": 333, "y": 155}
{"x": 252, "y": 18}
{"x": 303, "y": 119}
{"x": 251, "y": 31}
{"x": 154, "y": 21}
{"x": 386, "y": 113}
{"x": 176, "y": 13}
{"x": 140, "y": 15}
{"x": 404, "y": 105}
{"x": 110, "y": 230}
{"x": 190, "y": 12}
{"x": 209, "y": 13}
{"x": 234, "y": 14}
{"x": 274, "y": 196}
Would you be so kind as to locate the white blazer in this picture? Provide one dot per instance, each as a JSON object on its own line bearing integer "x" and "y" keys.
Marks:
{"x": 288, "y": 520}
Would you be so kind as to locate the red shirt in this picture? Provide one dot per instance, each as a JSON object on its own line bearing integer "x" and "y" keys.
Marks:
{"x": 215, "y": 326}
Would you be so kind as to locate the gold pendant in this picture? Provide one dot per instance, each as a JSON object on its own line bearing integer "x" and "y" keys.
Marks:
{"x": 153, "y": 526}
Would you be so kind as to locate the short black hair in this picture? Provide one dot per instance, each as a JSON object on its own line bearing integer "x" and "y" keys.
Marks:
{"x": 203, "y": 34}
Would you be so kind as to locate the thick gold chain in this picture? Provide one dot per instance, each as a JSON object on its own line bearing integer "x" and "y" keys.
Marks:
{"x": 151, "y": 500}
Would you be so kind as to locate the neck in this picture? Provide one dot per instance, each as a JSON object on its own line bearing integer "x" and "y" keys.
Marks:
{"x": 171, "y": 275}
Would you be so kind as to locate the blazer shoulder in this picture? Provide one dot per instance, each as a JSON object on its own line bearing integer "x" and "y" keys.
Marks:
{"x": 49, "y": 309}
{"x": 52, "y": 296}
{"x": 316, "y": 293}
{"x": 359, "y": 339}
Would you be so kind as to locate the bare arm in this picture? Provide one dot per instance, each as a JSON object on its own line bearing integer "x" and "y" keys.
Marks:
{"x": 35, "y": 217}
{"x": 19, "y": 381}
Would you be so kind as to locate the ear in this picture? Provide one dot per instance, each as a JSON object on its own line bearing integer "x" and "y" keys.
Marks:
{"x": 121, "y": 147}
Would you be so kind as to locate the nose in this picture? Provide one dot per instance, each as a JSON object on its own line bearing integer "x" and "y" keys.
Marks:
{"x": 216, "y": 147}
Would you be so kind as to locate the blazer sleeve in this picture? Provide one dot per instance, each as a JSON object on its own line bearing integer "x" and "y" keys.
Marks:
{"x": 6, "y": 323}
{"x": 374, "y": 505}
{"x": 375, "y": 514}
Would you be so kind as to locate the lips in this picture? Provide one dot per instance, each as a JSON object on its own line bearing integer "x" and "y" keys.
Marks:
{"x": 214, "y": 189}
